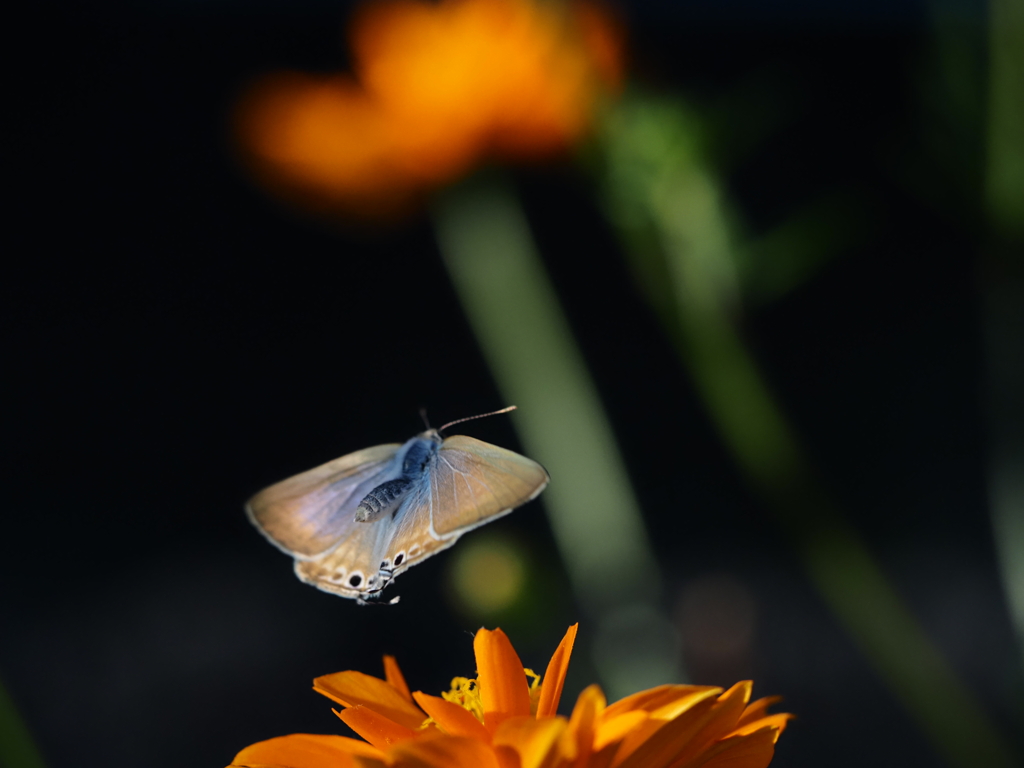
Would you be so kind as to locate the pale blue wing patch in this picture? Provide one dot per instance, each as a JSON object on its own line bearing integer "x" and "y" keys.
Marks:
{"x": 412, "y": 537}
{"x": 309, "y": 514}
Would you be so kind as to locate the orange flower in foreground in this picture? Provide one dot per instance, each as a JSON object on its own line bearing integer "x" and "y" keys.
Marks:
{"x": 440, "y": 86}
{"x": 501, "y": 720}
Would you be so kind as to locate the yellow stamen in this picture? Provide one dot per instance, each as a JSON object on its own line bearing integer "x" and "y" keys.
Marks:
{"x": 466, "y": 693}
{"x": 534, "y": 690}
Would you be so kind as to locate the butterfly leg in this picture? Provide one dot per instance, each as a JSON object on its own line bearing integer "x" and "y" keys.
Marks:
{"x": 374, "y": 598}
{"x": 380, "y": 581}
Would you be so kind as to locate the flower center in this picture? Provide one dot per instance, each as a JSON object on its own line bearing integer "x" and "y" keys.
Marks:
{"x": 465, "y": 692}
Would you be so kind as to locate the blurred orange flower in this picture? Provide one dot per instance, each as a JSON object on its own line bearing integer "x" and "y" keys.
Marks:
{"x": 500, "y": 720}
{"x": 438, "y": 87}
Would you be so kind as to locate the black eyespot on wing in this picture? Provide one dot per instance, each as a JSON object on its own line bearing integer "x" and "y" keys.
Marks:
{"x": 356, "y": 580}
{"x": 399, "y": 558}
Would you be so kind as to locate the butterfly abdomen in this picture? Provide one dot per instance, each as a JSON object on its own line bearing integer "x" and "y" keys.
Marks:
{"x": 387, "y": 496}
{"x": 381, "y": 499}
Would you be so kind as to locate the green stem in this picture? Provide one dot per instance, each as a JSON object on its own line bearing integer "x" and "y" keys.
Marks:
{"x": 1005, "y": 175}
{"x": 672, "y": 215}
{"x": 1004, "y": 297}
{"x": 513, "y": 308}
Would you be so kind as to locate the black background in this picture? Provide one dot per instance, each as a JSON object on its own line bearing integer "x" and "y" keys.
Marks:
{"x": 175, "y": 340}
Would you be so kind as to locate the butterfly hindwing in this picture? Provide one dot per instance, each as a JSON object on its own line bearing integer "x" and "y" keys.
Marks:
{"x": 308, "y": 514}
{"x": 412, "y": 538}
{"x": 351, "y": 569}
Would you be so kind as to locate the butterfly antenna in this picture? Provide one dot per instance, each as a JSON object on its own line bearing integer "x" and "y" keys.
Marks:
{"x": 481, "y": 416}
{"x": 423, "y": 415}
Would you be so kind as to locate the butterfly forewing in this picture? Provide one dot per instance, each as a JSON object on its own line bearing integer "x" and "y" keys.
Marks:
{"x": 475, "y": 481}
{"x": 308, "y": 514}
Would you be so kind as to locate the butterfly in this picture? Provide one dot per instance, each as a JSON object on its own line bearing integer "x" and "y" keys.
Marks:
{"x": 356, "y": 523}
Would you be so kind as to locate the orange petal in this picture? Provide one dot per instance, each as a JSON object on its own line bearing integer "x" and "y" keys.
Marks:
{"x": 583, "y": 723}
{"x": 507, "y": 757}
{"x": 393, "y": 674}
{"x": 374, "y": 727}
{"x": 503, "y": 688}
{"x": 654, "y": 698}
{"x": 430, "y": 77}
{"x": 674, "y": 709}
{"x": 616, "y": 728}
{"x": 305, "y": 750}
{"x": 554, "y": 677}
{"x": 778, "y": 722}
{"x": 444, "y": 752}
{"x": 451, "y": 718}
{"x": 536, "y": 741}
{"x": 602, "y": 35}
{"x": 758, "y": 709}
{"x": 689, "y": 736}
{"x": 657, "y": 749}
{"x": 678, "y": 703}
{"x": 752, "y": 751}
{"x": 601, "y": 758}
{"x": 322, "y": 141}
{"x": 352, "y": 689}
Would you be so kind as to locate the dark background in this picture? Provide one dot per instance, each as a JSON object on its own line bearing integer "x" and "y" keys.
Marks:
{"x": 176, "y": 340}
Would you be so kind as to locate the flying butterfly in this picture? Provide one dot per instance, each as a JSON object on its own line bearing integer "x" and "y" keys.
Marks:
{"x": 355, "y": 523}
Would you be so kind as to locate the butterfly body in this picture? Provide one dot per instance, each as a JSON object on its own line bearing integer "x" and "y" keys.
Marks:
{"x": 415, "y": 457}
{"x": 355, "y": 523}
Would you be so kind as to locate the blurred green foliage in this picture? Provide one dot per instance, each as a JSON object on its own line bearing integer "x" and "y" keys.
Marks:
{"x": 1005, "y": 173}
{"x": 17, "y": 749}
{"x": 515, "y": 313}
{"x": 684, "y": 238}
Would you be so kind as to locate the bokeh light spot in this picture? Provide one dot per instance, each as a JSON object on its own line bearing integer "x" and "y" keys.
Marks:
{"x": 488, "y": 576}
